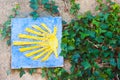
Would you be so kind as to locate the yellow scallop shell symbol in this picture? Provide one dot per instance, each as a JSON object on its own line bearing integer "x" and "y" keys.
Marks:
{"x": 45, "y": 42}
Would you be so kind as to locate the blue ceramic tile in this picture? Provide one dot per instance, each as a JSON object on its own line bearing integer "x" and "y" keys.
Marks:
{"x": 18, "y": 58}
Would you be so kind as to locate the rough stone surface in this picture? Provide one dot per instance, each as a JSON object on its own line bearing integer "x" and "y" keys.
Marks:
{"x": 5, "y": 11}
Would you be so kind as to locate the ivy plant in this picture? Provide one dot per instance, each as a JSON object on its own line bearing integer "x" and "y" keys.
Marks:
{"x": 92, "y": 45}
{"x": 6, "y": 30}
{"x": 74, "y": 7}
{"x": 46, "y": 4}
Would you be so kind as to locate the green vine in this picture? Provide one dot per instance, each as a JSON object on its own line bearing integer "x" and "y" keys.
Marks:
{"x": 6, "y": 31}
{"x": 45, "y": 4}
{"x": 74, "y": 7}
{"x": 92, "y": 45}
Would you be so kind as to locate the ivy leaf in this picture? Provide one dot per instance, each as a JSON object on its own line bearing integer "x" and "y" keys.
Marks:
{"x": 118, "y": 63}
{"x": 104, "y": 26}
{"x": 96, "y": 73}
{"x": 97, "y": 8}
{"x": 47, "y": 6}
{"x": 106, "y": 54}
{"x": 64, "y": 22}
{"x": 71, "y": 48}
{"x": 118, "y": 43}
{"x": 99, "y": 39}
{"x": 22, "y": 72}
{"x": 99, "y": 1}
{"x": 79, "y": 16}
{"x": 34, "y": 4}
{"x": 71, "y": 44}
{"x": 108, "y": 71}
{"x": 55, "y": 9}
{"x": 77, "y": 41}
{"x": 72, "y": 34}
{"x": 112, "y": 42}
{"x": 76, "y": 56}
{"x": 96, "y": 65}
{"x": 109, "y": 34}
{"x": 104, "y": 7}
{"x": 74, "y": 8}
{"x": 43, "y": 73}
{"x": 91, "y": 34}
{"x": 106, "y": 16}
{"x": 99, "y": 31}
{"x": 34, "y": 14}
{"x": 49, "y": 73}
{"x": 9, "y": 42}
{"x": 65, "y": 33}
{"x": 86, "y": 65}
{"x": 96, "y": 23}
{"x": 31, "y": 71}
{"x": 33, "y": 1}
{"x": 72, "y": 68}
{"x": 83, "y": 35}
{"x": 44, "y": 1}
{"x": 79, "y": 74}
{"x": 112, "y": 62}
{"x": 100, "y": 78}
{"x": 104, "y": 48}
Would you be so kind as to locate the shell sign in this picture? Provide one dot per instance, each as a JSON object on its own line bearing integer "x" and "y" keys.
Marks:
{"x": 36, "y": 43}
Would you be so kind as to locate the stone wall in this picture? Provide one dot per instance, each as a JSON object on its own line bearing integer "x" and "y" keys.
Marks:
{"x": 5, "y": 51}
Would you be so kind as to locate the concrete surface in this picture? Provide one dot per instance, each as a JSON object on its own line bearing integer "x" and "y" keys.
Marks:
{"x": 5, "y": 11}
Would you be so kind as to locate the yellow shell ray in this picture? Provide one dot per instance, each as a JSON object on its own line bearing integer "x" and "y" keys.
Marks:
{"x": 34, "y": 52}
{"x": 33, "y": 32}
{"x": 38, "y": 28}
{"x": 30, "y": 37}
{"x": 28, "y": 48}
{"x": 20, "y": 43}
{"x": 47, "y": 56}
{"x": 42, "y": 54}
{"x": 46, "y": 44}
{"x": 42, "y": 24}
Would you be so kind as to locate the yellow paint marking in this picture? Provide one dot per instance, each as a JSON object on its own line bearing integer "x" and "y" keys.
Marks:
{"x": 42, "y": 24}
{"x": 34, "y": 52}
{"x": 55, "y": 30}
{"x": 30, "y": 37}
{"x": 56, "y": 54}
{"x": 38, "y": 28}
{"x": 18, "y": 43}
{"x": 47, "y": 56}
{"x": 41, "y": 54}
{"x": 46, "y": 44}
{"x": 34, "y": 32}
{"x": 28, "y": 48}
